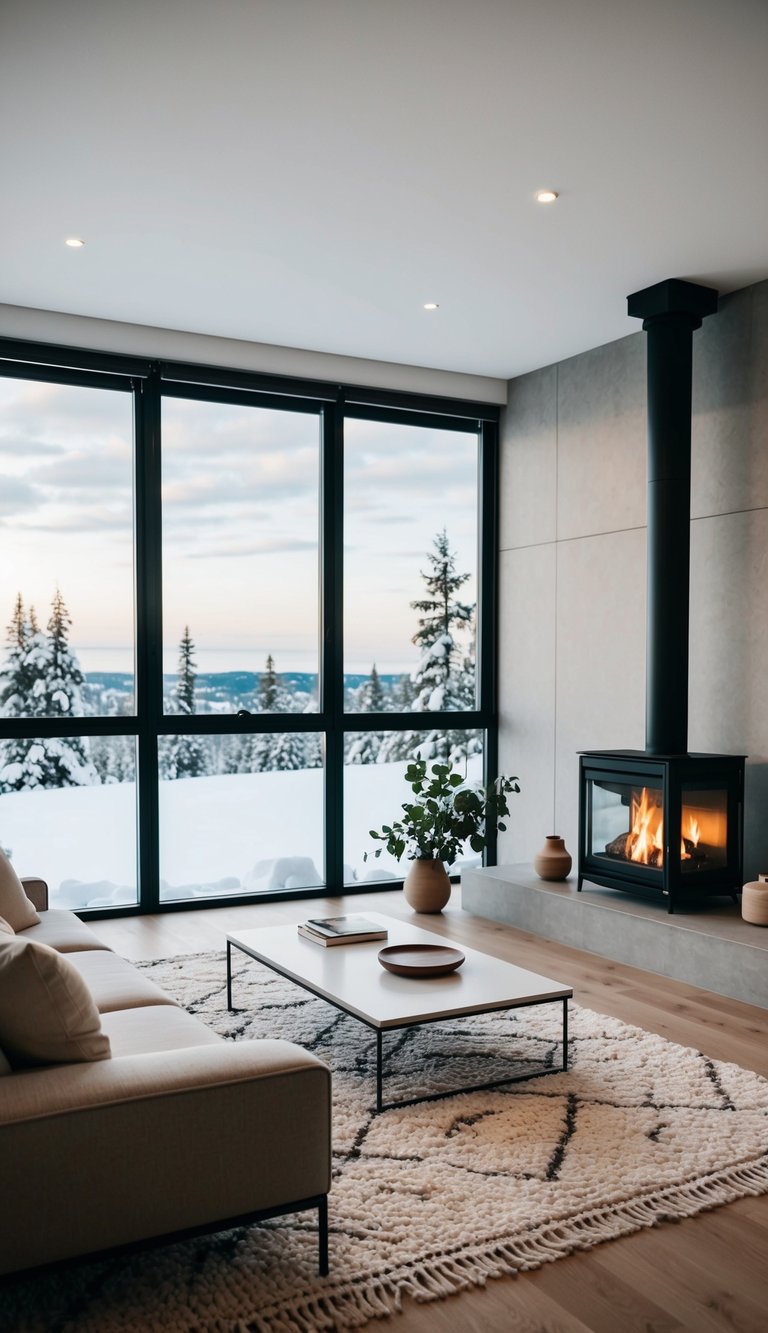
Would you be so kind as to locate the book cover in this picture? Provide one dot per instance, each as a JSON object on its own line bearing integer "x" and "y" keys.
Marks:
{"x": 337, "y": 926}
{"x": 326, "y": 938}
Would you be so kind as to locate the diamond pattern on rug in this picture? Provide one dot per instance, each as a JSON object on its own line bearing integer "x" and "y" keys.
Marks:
{"x": 432, "y": 1198}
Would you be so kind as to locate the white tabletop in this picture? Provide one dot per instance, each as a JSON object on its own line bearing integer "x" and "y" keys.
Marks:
{"x": 351, "y": 976}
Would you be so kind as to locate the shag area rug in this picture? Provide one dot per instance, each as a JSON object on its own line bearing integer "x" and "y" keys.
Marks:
{"x": 441, "y": 1196}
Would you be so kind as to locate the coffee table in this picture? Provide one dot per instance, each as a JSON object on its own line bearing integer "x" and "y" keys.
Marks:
{"x": 350, "y": 977}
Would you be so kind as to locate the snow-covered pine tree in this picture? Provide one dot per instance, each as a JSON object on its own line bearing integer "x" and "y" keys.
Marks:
{"x": 398, "y": 745}
{"x": 281, "y": 750}
{"x": 437, "y": 679}
{"x": 270, "y": 695}
{"x": 183, "y": 756}
{"x": 14, "y": 693}
{"x": 441, "y": 680}
{"x": 364, "y": 747}
{"x": 49, "y": 675}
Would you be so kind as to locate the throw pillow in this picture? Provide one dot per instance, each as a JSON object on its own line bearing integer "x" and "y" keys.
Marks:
{"x": 14, "y": 903}
{"x": 47, "y": 1013}
{"x": 5, "y": 929}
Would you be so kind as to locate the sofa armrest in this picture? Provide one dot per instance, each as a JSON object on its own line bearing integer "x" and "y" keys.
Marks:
{"x": 37, "y": 892}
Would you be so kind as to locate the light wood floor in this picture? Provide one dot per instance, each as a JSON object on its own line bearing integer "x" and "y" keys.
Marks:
{"x": 706, "y": 1274}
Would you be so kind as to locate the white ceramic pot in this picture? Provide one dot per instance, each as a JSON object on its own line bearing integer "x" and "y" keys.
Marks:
{"x": 754, "y": 901}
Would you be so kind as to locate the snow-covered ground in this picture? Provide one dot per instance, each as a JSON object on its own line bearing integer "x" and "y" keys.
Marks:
{"x": 219, "y": 835}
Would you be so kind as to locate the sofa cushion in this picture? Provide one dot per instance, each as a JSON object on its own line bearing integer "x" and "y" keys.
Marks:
{"x": 47, "y": 1015}
{"x": 159, "y": 1027}
{"x": 64, "y": 932}
{"x": 115, "y": 983}
{"x": 14, "y": 903}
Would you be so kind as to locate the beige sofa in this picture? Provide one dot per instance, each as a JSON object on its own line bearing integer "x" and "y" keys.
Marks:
{"x": 174, "y": 1130}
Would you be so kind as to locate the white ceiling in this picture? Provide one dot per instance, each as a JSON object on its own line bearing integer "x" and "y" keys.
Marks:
{"x": 310, "y": 172}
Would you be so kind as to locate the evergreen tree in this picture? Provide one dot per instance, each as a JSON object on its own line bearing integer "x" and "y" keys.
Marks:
{"x": 270, "y": 695}
{"x": 437, "y": 678}
{"x": 398, "y": 745}
{"x": 48, "y": 674}
{"x": 261, "y": 752}
{"x": 364, "y": 747}
{"x": 444, "y": 678}
{"x": 184, "y": 690}
{"x": 15, "y": 681}
{"x": 183, "y": 756}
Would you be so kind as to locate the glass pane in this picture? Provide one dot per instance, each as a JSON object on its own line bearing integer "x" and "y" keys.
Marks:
{"x": 240, "y": 558}
{"x": 240, "y": 814}
{"x": 410, "y": 567}
{"x": 375, "y": 789}
{"x": 66, "y": 550}
{"x": 627, "y": 822}
{"x": 68, "y": 814}
{"x": 704, "y": 833}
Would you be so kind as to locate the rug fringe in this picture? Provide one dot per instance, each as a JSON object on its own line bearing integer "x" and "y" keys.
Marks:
{"x": 438, "y": 1276}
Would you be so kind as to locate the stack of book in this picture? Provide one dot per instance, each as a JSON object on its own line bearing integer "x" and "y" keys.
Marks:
{"x": 342, "y": 930}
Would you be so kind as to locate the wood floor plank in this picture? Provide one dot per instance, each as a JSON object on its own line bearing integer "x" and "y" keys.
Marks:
{"x": 693, "y": 1287}
{"x": 703, "y": 1275}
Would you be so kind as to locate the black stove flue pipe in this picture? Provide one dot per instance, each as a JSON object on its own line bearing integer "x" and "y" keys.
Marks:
{"x": 670, "y": 312}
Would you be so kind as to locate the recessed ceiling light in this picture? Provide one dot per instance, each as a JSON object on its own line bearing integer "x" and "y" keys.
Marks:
{"x": 546, "y": 196}
{"x": 431, "y": 305}
{"x": 74, "y": 242}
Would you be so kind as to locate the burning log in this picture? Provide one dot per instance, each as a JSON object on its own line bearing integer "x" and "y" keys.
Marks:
{"x": 623, "y": 846}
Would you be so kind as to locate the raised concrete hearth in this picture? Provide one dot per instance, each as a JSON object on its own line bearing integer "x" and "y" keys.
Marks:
{"x": 709, "y": 946}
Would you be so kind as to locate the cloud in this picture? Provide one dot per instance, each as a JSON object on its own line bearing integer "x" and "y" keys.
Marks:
{"x": 24, "y": 445}
{"x": 109, "y": 468}
{"x": 54, "y": 411}
{"x": 87, "y": 518}
{"x": 17, "y": 494}
{"x": 276, "y": 546}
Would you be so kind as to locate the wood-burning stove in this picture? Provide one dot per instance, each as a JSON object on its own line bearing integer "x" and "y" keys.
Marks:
{"x": 664, "y": 819}
{"x": 669, "y": 823}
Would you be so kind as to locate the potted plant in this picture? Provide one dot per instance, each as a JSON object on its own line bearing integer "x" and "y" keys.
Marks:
{"x": 446, "y": 812}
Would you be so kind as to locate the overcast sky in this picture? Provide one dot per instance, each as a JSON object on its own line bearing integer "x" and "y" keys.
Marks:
{"x": 240, "y": 526}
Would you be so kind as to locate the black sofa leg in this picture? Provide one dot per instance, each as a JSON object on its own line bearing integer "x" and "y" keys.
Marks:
{"x": 322, "y": 1210}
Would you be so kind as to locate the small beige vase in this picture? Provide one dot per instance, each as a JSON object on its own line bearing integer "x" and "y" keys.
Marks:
{"x": 754, "y": 901}
{"x": 553, "y": 861}
{"x": 427, "y": 887}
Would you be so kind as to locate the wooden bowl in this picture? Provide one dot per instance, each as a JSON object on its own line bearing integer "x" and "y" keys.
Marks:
{"x": 420, "y": 960}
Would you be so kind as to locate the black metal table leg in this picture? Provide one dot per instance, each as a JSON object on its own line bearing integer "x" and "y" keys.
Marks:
{"x": 229, "y": 975}
{"x": 378, "y": 1070}
{"x": 565, "y": 1034}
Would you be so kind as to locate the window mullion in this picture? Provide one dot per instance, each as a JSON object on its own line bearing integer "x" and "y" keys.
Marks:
{"x": 149, "y": 631}
{"x": 332, "y": 637}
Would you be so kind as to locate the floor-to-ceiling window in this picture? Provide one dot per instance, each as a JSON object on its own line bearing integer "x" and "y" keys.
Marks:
{"x": 235, "y": 609}
{"x": 67, "y": 679}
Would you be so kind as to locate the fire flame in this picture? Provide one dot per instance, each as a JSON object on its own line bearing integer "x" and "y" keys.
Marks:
{"x": 645, "y": 840}
{"x": 692, "y": 834}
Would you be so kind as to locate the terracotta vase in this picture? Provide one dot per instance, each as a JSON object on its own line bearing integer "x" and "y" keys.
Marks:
{"x": 553, "y": 861}
{"x": 754, "y": 901}
{"x": 427, "y": 887}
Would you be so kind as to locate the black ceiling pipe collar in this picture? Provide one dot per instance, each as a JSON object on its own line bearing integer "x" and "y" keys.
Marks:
{"x": 670, "y": 312}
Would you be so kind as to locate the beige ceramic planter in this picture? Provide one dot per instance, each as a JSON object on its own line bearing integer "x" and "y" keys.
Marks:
{"x": 427, "y": 887}
{"x": 553, "y": 861}
{"x": 754, "y": 901}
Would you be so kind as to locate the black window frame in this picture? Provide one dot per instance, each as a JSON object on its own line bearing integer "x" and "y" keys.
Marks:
{"x": 148, "y": 380}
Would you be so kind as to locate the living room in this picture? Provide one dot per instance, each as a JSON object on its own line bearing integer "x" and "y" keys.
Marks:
{"x": 326, "y": 215}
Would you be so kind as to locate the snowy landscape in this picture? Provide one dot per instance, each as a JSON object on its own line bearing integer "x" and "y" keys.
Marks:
{"x": 218, "y": 835}
{"x": 238, "y": 813}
